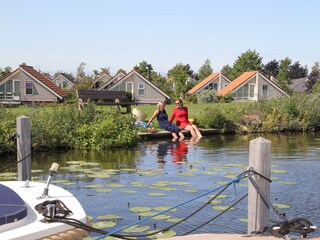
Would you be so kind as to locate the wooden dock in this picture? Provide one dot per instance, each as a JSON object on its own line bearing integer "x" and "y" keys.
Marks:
{"x": 165, "y": 134}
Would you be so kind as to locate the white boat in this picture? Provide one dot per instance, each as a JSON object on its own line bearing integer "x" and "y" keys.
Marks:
{"x": 19, "y": 220}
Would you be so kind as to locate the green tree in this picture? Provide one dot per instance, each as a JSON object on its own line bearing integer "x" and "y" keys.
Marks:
{"x": 80, "y": 70}
{"x": 205, "y": 70}
{"x": 227, "y": 71}
{"x": 297, "y": 71}
{"x": 283, "y": 76}
{"x": 271, "y": 68}
{"x": 178, "y": 75}
{"x": 5, "y": 71}
{"x": 313, "y": 83}
{"x": 143, "y": 68}
{"x": 247, "y": 61}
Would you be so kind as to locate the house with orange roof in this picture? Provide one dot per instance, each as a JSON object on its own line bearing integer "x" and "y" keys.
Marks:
{"x": 143, "y": 91}
{"x": 252, "y": 86}
{"x": 111, "y": 81}
{"x": 104, "y": 77}
{"x": 215, "y": 81}
{"x": 63, "y": 82}
{"x": 26, "y": 85}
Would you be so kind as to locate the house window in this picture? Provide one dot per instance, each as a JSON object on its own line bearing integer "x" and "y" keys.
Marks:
{"x": 251, "y": 90}
{"x": 65, "y": 84}
{"x": 215, "y": 86}
{"x": 264, "y": 90}
{"x": 141, "y": 89}
{"x": 29, "y": 88}
{"x": 242, "y": 93}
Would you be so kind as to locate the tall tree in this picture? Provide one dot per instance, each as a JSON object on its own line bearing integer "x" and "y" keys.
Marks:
{"x": 205, "y": 70}
{"x": 80, "y": 70}
{"x": 271, "y": 68}
{"x": 297, "y": 71}
{"x": 283, "y": 76}
{"x": 179, "y": 75}
{"x": 247, "y": 61}
{"x": 313, "y": 78}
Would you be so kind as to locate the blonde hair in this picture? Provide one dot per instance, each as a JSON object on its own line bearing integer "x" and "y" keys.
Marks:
{"x": 160, "y": 104}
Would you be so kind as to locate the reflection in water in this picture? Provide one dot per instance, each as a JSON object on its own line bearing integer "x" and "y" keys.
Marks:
{"x": 151, "y": 167}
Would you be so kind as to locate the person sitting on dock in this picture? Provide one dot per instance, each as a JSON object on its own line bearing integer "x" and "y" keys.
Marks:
{"x": 162, "y": 118}
{"x": 180, "y": 113}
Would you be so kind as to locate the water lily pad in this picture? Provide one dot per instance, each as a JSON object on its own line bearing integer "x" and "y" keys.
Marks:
{"x": 140, "y": 209}
{"x": 147, "y": 214}
{"x": 161, "y": 217}
{"x": 187, "y": 174}
{"x": 104, "y": 224}
{"x": 168, "y": 189}
{"x": 278, "y": 205}
{"x": 155, "y": 194}
{"x": 215, "y": 201}
{"x": 190, "y": 190}
{"x": 116, "y": 185}
{"x": 94, "y": 186}
{"x": 89, "y": 217}
{"x": 163, "y": 208}
{"x": 278, "y": 171}
{"x": 244, "y": 220}
{"x": 110, "y": 217}
{"x": 166, "y": 234}
{"x": 138, "y": 184}
{"x": 103, "y": 190}
{"x": 222, "y": 208}
{"x": 128, "y": 191}
{"x": 180, "y": 183}
{"x": 174, "y": 220}
{"x": 288, "y": 183}
{"x": 136, "y": 229}
{"x": 221, "y": 182}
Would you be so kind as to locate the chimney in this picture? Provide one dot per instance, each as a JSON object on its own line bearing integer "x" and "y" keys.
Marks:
{"x": 149, "y": 66}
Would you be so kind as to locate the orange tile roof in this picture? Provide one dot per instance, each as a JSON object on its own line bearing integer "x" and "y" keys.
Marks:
{"x": 203, "y": 83}
{"x": 236, "y": 83}
{"x": 44, "y": 80}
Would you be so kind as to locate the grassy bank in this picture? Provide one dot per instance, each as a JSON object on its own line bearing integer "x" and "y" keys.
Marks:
{"x": 62, "y": 126}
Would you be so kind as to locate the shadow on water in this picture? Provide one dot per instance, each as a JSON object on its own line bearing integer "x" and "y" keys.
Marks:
{"x": 166, "y": 173}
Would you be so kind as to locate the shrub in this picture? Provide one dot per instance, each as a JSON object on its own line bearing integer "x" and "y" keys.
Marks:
{"x": 207, "y": 96}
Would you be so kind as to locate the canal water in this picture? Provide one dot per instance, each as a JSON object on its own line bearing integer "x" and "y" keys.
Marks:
{"x": 135, "y": 183}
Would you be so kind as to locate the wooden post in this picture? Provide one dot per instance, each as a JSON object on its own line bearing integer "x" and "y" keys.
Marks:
{"x": 260, "y": 161}
{"x": 24, "y": 148}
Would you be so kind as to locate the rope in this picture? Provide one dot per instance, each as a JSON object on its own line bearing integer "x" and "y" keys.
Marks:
{"x": 15, "y": 163}
{"x": 240, "y": 176}
{"x": 215, "y": 217}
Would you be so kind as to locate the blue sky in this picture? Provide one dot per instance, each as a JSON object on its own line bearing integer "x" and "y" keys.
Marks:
{"x": 58, "y": 35}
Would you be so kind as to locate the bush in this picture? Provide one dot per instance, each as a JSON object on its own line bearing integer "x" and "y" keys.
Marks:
{"x": 207, "y": 96}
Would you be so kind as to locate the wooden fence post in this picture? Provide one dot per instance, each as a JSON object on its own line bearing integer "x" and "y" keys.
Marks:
{"x": 24, "y": 148}
{"x": 260, "y": 161}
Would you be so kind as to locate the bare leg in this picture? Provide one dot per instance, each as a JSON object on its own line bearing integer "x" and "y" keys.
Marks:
{"x": 175, "y": 136}
{"x": 192, "y": 131}
{"x": 181, "y": 136}
{"x": 199, "y": 135}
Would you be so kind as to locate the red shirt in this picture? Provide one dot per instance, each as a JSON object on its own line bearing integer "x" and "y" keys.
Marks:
{"x": 181, "y": 116}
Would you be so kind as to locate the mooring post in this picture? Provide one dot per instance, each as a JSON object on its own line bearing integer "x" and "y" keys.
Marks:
{"x": 23, "y": 148}
{"x": 260, "y": 161}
